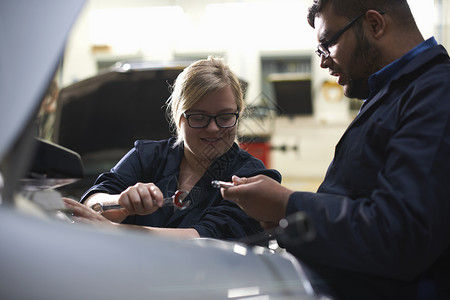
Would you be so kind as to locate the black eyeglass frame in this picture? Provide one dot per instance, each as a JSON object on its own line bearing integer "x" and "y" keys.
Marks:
{"x": 322, "y": 48}
{"x": 187, "y": 116}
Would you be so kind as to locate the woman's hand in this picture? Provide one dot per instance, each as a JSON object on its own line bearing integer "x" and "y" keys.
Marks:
{"x": 84, "y": 214}
{"x": 141, "y": 199}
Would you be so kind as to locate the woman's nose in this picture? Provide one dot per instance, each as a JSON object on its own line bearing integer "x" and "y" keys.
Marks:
{"x": 212, "y": 125}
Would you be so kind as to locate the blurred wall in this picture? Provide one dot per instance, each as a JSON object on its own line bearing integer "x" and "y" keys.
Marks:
{"x": 245, "y": 33}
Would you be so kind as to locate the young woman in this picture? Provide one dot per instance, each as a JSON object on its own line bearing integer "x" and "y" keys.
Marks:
{"x": 204, "y": 108}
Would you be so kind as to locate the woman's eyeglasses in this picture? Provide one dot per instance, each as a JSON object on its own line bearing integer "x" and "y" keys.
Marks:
{"x": 225, "y": 120}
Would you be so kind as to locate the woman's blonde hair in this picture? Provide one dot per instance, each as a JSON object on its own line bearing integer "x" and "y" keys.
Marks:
{"x": 197, "y": 80}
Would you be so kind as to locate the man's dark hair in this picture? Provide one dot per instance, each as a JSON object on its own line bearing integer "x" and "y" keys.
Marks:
{"x": 350, "y": 9}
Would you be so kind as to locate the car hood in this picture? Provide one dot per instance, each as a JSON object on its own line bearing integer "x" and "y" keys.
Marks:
{"x": 33, "y": 35}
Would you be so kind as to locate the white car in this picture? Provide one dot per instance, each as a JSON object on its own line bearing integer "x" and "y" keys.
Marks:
{"x": 43, "y": 255}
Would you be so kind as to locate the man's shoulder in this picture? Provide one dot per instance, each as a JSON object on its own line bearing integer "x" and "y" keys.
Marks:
{"x": 434, "y": 58}
{"x": 429, "y": 68}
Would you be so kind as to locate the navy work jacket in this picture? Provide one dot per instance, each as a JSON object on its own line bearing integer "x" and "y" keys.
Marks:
{"x": 159, "y": 162}
{"x": 382, "y": 213}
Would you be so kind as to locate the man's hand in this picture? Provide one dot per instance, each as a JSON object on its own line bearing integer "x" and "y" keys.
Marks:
{"x": 261, "y": 197}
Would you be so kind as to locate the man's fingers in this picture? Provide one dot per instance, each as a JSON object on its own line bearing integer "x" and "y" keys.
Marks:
{"x": 244, "y": 180}
{"x": 239, "y": 180}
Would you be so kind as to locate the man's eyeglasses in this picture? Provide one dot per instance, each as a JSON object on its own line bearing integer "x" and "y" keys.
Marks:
{"x": 225, "y": 120}
{"x": 322, "y": 48}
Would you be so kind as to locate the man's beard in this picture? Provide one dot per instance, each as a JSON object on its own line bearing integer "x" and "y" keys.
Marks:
{"x": 366, "y": 57}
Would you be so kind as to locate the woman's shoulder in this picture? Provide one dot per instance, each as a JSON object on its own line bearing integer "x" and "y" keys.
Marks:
{"x": 163, "y": 146}
{"x": 151, "y": 152}
{"x": 157, "y": 157}
{"x": 245, "y": 157}
{"x": 251, "y": 166}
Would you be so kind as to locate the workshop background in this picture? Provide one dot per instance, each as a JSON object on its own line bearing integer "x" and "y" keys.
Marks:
{"x": 298, "y": 112}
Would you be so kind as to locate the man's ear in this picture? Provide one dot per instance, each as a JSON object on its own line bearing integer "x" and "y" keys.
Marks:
{"x": 377, "y": 23}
